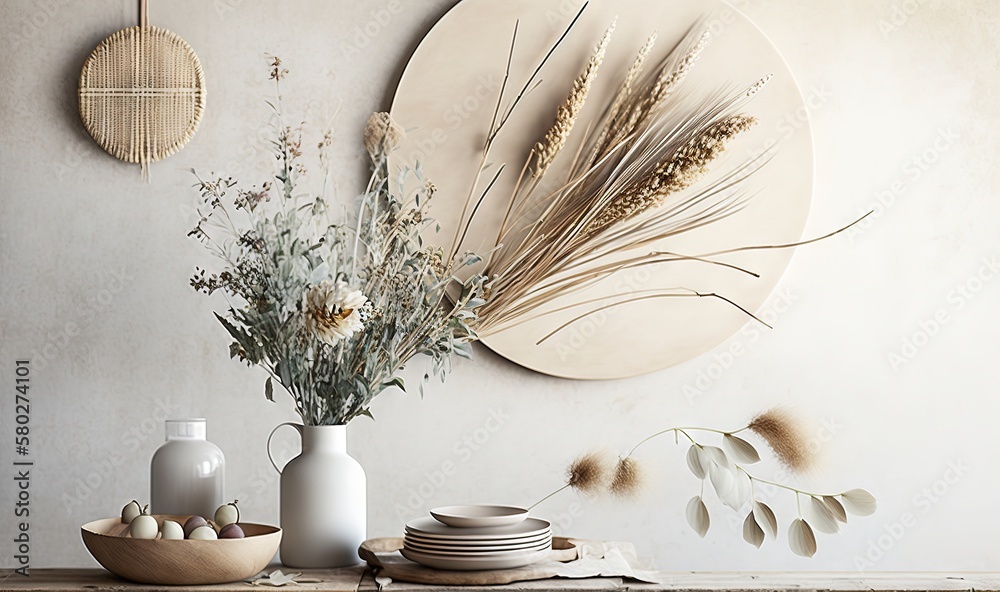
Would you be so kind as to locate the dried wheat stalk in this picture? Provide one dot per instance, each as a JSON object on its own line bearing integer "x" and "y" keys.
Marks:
{"x": 635, "y": 180}
{"x": 679, "y": 172}
{"x": 615, "y": 120}
{"x": 624, "y": 93}
{"x": 657, "y": 89}
{"x": 555, "y": 139}
{"x": 550, "y": 236}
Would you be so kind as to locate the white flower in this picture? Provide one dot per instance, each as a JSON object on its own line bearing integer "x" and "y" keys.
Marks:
{"x": 333, "y": 311}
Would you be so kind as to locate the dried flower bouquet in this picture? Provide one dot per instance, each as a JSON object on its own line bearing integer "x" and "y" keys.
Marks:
{"x": 332, "y": 308}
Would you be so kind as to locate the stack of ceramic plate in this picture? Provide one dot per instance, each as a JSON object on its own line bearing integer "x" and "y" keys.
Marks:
{"x": 477, "y": 537}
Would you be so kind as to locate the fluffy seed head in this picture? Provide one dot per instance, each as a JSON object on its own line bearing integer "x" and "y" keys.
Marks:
{"x": 627, "y": 479}
{"x": 633, "y": 73}
{"x": 781, "y": 432}
{"x": 588, "y": 473}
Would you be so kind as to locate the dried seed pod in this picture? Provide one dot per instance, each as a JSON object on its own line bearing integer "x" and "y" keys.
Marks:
{"x": 382, "y": 135}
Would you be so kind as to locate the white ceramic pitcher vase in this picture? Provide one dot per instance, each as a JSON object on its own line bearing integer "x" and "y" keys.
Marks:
{"x": 323, "y": 500}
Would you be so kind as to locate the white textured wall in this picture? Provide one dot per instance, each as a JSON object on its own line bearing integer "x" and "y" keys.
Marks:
{"x": 93, "y": 269}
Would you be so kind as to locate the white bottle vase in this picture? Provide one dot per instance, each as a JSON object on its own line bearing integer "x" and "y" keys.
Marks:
{"x": 187, "y": 473}
{"x": 323, "y": 500}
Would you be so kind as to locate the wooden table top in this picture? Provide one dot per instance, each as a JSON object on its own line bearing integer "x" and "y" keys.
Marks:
{"x": 357, "y": 579}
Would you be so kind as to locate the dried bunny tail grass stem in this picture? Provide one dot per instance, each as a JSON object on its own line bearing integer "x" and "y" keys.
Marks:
{"x": 555, "y": 139}
{"x": 677, "y": 172}
{"x": 785, "y": 437}
{"x": 589, "y": 474}
{"x": 627, "y": 479}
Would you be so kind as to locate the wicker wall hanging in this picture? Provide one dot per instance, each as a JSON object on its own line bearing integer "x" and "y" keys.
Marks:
{"x": 142, "y": 93}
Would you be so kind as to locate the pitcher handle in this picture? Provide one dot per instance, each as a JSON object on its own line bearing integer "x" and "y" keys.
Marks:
{"x": 298, "y": 428}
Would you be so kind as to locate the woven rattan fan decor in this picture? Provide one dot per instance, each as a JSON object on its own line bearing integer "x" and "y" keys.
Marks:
{"x": 142, "y": 93}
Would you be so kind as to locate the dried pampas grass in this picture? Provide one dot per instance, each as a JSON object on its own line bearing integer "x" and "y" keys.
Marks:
{"x": 596, "y": 473}
{"x": 666, "y": 81}
{"x": 785, "y": 437}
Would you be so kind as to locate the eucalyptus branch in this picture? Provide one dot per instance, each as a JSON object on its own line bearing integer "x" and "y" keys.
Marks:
{"x": 781, "y": 485}
{"x": 725, "y": 470}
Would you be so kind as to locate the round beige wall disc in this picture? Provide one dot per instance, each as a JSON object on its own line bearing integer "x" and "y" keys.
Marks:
{"x": 142, "y": 93}
{"x": 446, "y": 99}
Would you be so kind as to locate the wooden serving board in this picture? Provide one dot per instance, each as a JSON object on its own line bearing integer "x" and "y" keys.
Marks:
{"x": 382, "y": 554}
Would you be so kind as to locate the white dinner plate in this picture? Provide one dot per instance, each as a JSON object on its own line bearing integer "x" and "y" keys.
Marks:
{"x": 436, "y": 546}
{"x": 526, "y": 541}
{"x": 475, "y": 563}
{"x": 431, "y": 528}
{"x": 478, "y": 515}
{"x": 478, "y": 540}
{"x": 476, "y": 551}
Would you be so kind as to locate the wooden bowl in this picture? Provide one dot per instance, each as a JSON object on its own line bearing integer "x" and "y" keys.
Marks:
{"x": 170, "y": 563}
